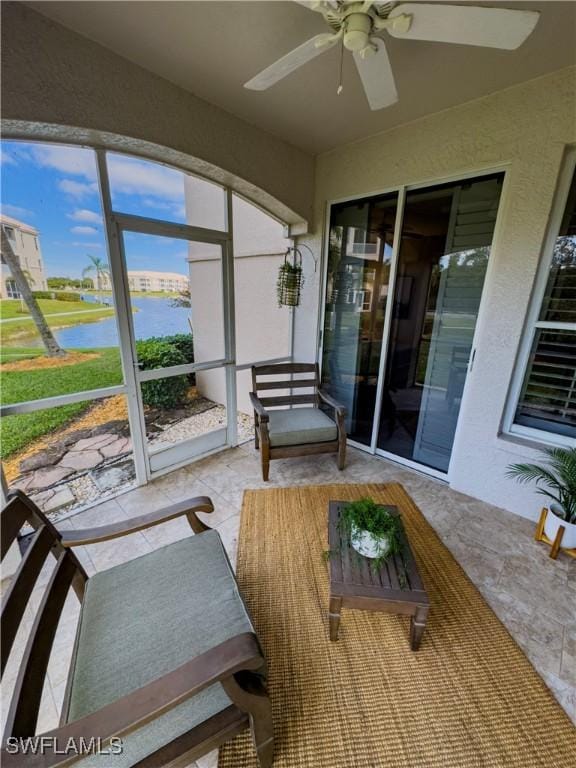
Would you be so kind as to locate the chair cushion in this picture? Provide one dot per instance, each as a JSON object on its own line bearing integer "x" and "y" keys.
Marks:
{"x": 298, "y": 426}
{"x": 146, "y": 617}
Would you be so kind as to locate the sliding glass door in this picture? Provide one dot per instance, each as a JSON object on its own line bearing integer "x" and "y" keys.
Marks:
{"x": 406, "y": 365}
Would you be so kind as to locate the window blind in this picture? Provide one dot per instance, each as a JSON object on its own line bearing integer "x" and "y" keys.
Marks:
{"x": 548, "y": 396}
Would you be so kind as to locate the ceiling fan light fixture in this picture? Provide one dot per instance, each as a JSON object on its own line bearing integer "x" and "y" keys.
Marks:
{"x": 358, "y": 27}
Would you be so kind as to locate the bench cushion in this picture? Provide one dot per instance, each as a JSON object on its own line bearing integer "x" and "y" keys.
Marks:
{"x": 298, "y": 426}
{"x": 146, "y": 617}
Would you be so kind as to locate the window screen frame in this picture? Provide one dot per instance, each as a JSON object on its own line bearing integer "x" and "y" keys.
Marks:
{"x": 533, "y": 323}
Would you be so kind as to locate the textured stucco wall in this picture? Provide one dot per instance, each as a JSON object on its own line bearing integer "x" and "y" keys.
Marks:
{"x": 262, "y": 328}
{"x": 526, "y": 128}
{"x": 53, "y": 76}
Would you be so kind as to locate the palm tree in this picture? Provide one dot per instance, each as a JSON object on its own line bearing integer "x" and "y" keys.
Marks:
{"x": 53, "y": 349}
{"x": 99, "y": 268}
{"x": 30, "y": 280}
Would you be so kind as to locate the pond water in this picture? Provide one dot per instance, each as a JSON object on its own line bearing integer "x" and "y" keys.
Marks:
{"x": 153, "y": 317}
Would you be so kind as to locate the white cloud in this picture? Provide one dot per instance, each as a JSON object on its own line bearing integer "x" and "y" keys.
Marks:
{"x": 137, "y": 177}
{"x": 84, "y": 230}
{"x": 76, "y": 188}
{"x": 175, "y": 209}
{"x": 159, "y": 185}
{"x": 73, "y": 160}
{"x": 5, "y": 158}
{"x": 83, "y": 214}
{"x": 77, "y": 244}
{"x": 148, "y": 202}
{"x": 16, "y": 210}
{"x": 180, "y": 211}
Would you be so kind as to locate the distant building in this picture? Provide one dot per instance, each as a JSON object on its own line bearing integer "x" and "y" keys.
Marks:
{"x": 149, "y": 280}
{"x": 26, "y": 245}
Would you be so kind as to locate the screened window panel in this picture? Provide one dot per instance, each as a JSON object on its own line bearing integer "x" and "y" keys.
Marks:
{"x": 548, "y": 399}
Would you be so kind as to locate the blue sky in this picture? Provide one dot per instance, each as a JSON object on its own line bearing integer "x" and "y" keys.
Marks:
{"x": 55, "y": 189}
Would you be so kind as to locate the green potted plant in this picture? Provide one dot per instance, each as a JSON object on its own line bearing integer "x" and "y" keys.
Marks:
{"x": 555, "y": 478}
{"x": 374, "y": 529}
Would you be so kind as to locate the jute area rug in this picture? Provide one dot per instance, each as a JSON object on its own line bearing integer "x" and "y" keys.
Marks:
{"x": 468, "y": 698}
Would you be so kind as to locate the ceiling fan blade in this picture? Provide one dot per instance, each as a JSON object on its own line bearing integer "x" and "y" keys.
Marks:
{"x": 467, "y": 25}
{"x": 291, "y": 61}
{"x": 377, "y": 77}
{"x": 316, "y": 5}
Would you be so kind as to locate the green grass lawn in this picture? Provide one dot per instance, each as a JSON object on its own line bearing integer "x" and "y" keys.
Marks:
{"x": 12, "y": 354}
{"x": 16, "y": 432}
{"x": 13, "y": 307}
{"x": 18, "y": 386}
{"x": 19, "y": 324}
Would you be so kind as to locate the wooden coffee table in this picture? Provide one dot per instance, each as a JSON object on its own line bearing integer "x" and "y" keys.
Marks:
{"x": 396, "y": 587}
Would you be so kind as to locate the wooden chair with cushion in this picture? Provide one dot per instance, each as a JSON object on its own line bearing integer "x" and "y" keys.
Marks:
{"x": 165, "y": 657}
{"x": 286, "y": 432}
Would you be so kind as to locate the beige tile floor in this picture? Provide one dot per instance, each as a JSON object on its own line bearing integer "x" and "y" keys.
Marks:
{"x": 534, "y": 596}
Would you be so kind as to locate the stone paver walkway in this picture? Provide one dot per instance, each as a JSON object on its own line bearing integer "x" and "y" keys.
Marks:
{"x": 87, "y": 453}
{"x": 60, "y": 476}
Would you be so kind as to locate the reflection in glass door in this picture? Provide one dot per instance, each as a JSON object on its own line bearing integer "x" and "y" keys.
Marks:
{"x": 360, "y": 251}
{"x": 427, "y": 333}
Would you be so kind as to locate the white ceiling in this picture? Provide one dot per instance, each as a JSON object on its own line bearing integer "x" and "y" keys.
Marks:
{"x": 212, "y": 48}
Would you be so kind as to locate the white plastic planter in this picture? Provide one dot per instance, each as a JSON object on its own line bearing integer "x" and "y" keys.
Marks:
{"x": 368, "y": 545}
{"x": 553, "y": 522}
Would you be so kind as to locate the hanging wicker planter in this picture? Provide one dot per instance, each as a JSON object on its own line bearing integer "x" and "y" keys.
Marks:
{"x": 290, "y": 280}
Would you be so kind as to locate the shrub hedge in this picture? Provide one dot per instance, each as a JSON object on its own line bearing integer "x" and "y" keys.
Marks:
{"x": 183, "y": 342}
{"x": 59, "y": 295}
{"x": 161, "y": 353}
{"x": 68, "y": 296}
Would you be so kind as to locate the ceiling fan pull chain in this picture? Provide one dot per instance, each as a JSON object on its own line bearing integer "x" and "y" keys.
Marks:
{"x": 340, "y": 85}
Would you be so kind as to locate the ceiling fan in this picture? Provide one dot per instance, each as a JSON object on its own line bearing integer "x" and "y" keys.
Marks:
{"x": 357, "y": 24}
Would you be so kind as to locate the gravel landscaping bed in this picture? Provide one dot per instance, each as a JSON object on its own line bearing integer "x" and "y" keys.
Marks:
{"x": 200, "y": 424}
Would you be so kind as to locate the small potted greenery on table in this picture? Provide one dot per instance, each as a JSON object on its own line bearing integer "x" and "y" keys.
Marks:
{"x": 555, "y": 478}
{"x": 374, "y": 529}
